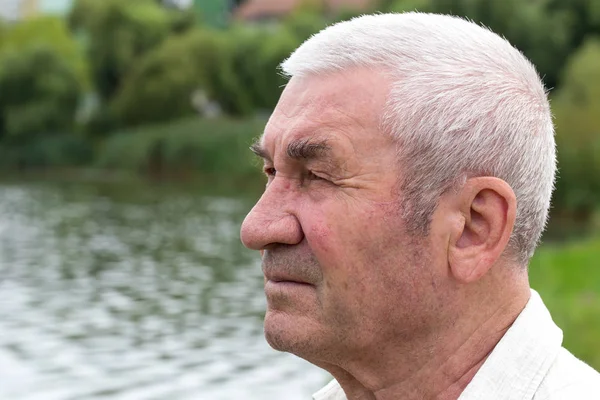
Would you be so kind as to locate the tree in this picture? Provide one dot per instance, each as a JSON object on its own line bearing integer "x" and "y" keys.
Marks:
{"x": 576, "y": 106}
{"x": 583, "y": 18}
{"x": 160, "y": 87}
{"x": 256, "y": 53}
{"x": 39, "y": 93}
{"x": 118, "y": 33}
{"x": 48, "y": 32}
{"x": 304, "y": 24}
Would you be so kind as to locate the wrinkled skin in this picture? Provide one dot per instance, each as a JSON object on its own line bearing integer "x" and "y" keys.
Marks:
{"x": 334, "y": 223}
{"x": 388, "y": 314}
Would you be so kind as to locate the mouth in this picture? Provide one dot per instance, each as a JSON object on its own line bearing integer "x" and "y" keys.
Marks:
{"x": 285, "y": 282}
{"x": 288, "y": 286}
{"x": 284, "y": 289}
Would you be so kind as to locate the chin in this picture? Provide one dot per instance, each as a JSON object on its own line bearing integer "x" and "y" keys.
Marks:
{"x": 292, "y": 334}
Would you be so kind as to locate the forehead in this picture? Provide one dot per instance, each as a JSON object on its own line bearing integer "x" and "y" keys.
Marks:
{"x": 339, "y": 107}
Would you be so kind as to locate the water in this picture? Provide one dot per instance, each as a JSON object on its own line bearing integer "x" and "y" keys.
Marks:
{"x": 134, "y": 292}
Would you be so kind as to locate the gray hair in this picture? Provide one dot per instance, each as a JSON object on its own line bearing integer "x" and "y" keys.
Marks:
{"x": 463, "y": 103}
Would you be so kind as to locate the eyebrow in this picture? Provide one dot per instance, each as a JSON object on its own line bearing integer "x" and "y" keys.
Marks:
{"x": 299, "y": 149}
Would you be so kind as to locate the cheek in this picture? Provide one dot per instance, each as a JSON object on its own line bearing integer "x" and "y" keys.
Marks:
{"x": 343, "y": 234}
{"x": 320, "y": 235}
{"x": 349, "y": 237}
{"x": 318, "y": 224}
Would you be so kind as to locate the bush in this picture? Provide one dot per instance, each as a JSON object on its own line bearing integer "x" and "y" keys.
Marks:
{"x": 211, "y": 147}
{"x": 116, "y": 34}
{"x": 39, "y": 94}
{"x": 62, "y": 150}
{"x": 222, "y": 65}
{"x": 237, "y": 69}
{"x": 50, "y": 33}
{"x": 160, "y": 87}
{"x": 576, "y": 107}
{"x": 256, "y": 55}
{"x": 304, "y": 24}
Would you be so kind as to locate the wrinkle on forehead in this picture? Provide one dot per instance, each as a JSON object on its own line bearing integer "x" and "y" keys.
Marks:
{"x": 344, "y": 110}
{"x": 332, "y": 102}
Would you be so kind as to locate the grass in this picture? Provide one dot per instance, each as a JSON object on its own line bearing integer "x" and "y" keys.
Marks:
{"x": 567, "y": 276}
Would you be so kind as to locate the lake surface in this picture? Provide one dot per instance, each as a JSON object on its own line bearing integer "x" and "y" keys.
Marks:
{"x": 134, "y": 292}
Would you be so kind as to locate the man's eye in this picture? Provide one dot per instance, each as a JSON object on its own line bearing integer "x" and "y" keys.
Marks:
{"x": 312, "y": 176}
{"x": 270, "y": 171}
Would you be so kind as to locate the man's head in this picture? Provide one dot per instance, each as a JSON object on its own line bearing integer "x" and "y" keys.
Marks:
{"x": 410, "y": 164}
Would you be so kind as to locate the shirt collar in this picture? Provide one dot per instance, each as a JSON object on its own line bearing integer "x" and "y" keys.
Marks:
{"x": 333, "y": 391}
{"x": 517, "y": 365}
{"x": 515, "y": 368}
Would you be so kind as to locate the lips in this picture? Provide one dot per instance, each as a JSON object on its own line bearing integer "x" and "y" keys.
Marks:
{"x": 284, "y": 278}
{"x": 276, "y": 274}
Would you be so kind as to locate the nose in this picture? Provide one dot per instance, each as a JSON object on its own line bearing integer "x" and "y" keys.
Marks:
{"x": 272, "y": 220}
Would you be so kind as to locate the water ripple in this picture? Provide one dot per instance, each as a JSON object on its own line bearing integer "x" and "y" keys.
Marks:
{"x": 144, "y": 295}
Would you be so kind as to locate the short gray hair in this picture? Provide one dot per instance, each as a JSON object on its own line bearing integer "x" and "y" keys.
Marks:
{"x": 463, "y": 102}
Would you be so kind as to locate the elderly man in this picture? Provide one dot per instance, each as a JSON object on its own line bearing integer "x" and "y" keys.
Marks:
{"x": 410, "y": 164}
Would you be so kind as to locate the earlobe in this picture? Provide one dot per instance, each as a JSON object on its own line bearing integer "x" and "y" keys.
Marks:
{"x": 487, "y": 207}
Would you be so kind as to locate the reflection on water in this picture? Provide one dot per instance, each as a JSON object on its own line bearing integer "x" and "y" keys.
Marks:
{"x": 133, "y": 293}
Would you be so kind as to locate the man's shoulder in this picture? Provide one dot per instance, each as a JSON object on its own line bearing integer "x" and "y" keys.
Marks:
{"x": 569, "y": 378}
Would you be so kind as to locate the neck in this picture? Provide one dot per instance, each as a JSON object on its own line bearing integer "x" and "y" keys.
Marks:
{"x": 438, "y": 366}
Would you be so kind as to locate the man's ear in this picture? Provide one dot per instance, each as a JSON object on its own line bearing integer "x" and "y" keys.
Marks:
{"x": 486, "y": 208}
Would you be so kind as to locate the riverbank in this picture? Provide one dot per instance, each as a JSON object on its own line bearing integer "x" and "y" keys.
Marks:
{"x": 181, "y": 150}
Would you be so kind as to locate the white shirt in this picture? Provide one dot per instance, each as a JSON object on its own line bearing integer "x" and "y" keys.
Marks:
{"x": 529, "y": 363}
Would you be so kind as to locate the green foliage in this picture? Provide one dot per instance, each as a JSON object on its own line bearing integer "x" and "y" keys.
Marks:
{"x": 117, "y": 33}
{"x": 61, "y": 150}
{"x": 226, "y": 83}
{"x": 406, "y": 5}
{"x": 576, "y": 107}
{"x": 583, "y": 18}
{"x": 39, "y": 94}
{"x": 211, "y": 147}
{"x": 213, "y": 12}
{"x": 160, "y": 87}
{"x": 238, "y": 69}
{"x": 304, "y": 24}
{"x": 101, "y": 122}
{"x": 182, "y": 21}
{"x": 256, "y": 55}
{"x": 568, "y": 279}
{"x": 272, "y": 53}
{"x": 48, "y": 32}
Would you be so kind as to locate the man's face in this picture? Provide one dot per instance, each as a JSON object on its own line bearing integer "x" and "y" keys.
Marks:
{"x": 340, "y": 273}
